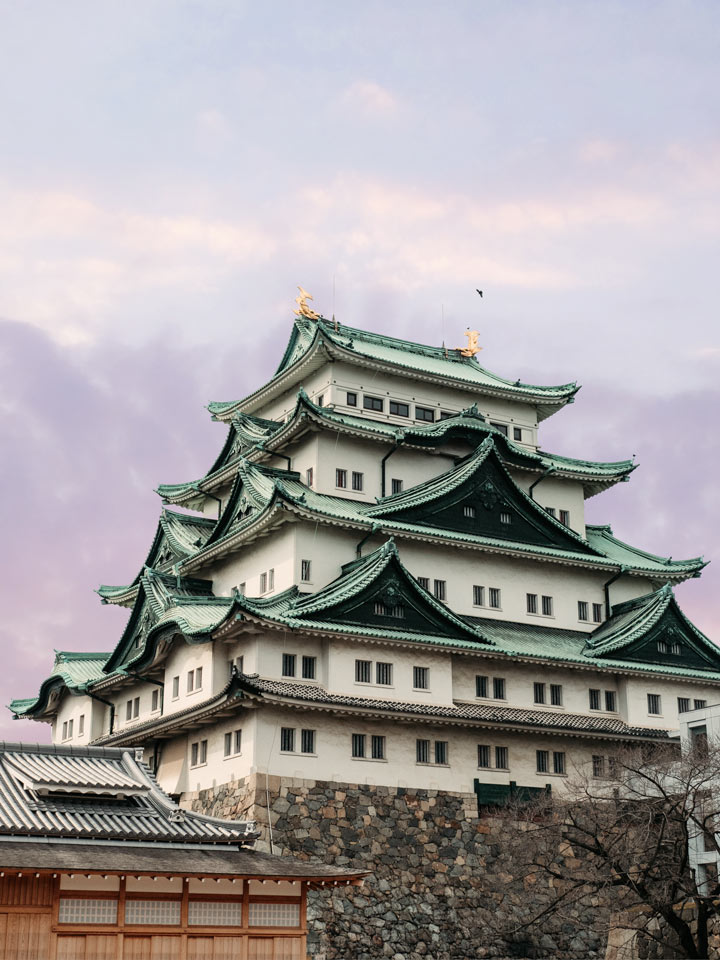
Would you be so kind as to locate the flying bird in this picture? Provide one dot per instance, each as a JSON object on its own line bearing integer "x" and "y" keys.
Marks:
{"x": 479, "y": 291}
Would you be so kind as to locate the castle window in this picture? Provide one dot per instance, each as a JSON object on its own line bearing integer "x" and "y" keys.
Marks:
{"x": 351, "y": 399}
{"x": 598, "y": 766}
{"x": 65, "y": 730}
{"x": 547, "y": 606}
{"x": 478, "y": 596}
{"x": 654, "y": 704}
{"x": 565, "y": 517}
{"x": 320, "y": 399}
{"x": 263, "y": 582}
{"x": 502, "y": 427}
{"x": 287, "y": 740}
{"x": 399, "y": 409}
{"x": 235, "y": 665}
{"x": 558, "y": 762}
{"x": 539, "y": 692}
{"x": 373, "y": 403}
{"x": 357, "y": 481}
{"x": 499, "y": 688}
{"x": 542, "y": 761}
{"x": 517, "y": 433}
{"x": 483, "y": 755}
{"x": 505, "y": 517}
{"x": 232, "y": 745}
{"x": 396, "y": 485}
{"x": 305, "y": 570}
{"x": 307, "y": 741}
{"x": 481, "y": 686}
{"x": 81, "y": 723}
{"x": 362, "y": 671}
{"x": 501, "y": 758}
{"x": 424, "y": 582}
{"x": 422, "y": 751}
{"x": 440, "y": 589}
{"x": 288, "y": 664}
{"x": 468, "y": 511}
{"x": 271, "y": 578}
{"x": 358, "y": 745}
{"x": 132, "y": 709}
{"x": 697, "y": 705}
{"x": 662, "y": 646}
{"x": 531, "y": 599}
{"x": 551, "y": 511}
{"x": 597, "y": 612}
{"x": 556, "y": 697}
{"x": 582, "y": 610}
{"x": 441, "y": 752}
{"x": 309, "y": 665}
{"x": 198, "y": 753}
{"x": 309, "y": 476}
{"x": 610, "y": 701}
{"x": 494, "y": 598}
{"x": 594, "y": 698}
{"x": 341, "y": 479}
{"x": 175, "y": 687}
{"x": 446, "y": 414}
{"x": 421, "y": 678}
{"x": 424, "y": 413}
{"x": 155, "y": 701}
{"x": 377, "y": 747}
{"x": 683, "y": 704}
{"x": 383, "y": 674}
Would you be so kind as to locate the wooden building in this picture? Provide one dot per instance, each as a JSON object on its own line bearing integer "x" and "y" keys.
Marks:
{"x": 97, "y": 863}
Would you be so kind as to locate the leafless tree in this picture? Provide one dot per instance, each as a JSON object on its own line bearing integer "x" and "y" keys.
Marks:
{"x": 617, "y": 843}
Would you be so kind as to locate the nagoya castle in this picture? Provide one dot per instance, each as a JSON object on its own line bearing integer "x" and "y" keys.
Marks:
{"x": 384, "y": 580}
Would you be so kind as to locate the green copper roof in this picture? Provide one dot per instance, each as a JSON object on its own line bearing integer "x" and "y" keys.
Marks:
{"x": 72, "y": 670}
{"x": 401, "y": 356}
{"x": 602, "y": 539}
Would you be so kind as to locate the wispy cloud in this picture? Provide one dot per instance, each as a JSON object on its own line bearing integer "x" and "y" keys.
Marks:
{"x": 370, "y": 98}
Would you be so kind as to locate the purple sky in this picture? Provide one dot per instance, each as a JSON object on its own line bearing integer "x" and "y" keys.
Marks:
{"x": 170, "y": 172}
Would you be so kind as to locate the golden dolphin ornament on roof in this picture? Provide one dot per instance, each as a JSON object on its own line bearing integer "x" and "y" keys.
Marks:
{"x": 303, "y": 309}
{"x": 472, "y": 345}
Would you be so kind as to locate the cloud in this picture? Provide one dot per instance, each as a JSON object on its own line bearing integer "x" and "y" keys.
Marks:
{"x": 370, "y": 98}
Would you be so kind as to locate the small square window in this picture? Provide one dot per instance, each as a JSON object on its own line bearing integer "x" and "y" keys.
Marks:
{"x": 597, "y": 612}
{"x": 517, "y": 433}
{"x": 424, "y": 413}
{"x": 399, "y": 409}
{"x": 542, "y": 761}
{"x": 287, "y": 739}
{"x": 483, "y": 755}
{"x": 478, "y": 596}
{"x": 582, "y": 610}
{"x": 424, "y": 582}
{"x": 357, "y": 481}
{"x": 539, "y": 692}
{"x": 358, "y": 745}
{"x": 502, "y": 427}
{"x": 351, "y": 399}
{"x": 481, "y": 686}
{"x": 547, "y": 606}
{"x": 446, "y": 414}
{"x": 305, "y": 570}
{"x": 362, "y": 671}
{"x": 610, "y": 701}
{"x": 373, "y": 403}
{"x": 531, "y": 601}
{"x": 341, "y": 479}
{"x": 288, "y": 664}
{"x": 654, "y": 704}
{"x": 383, "y": 673}
{"x": 309, "y": 665}
{"x": 697, "y": 705}
{"x": 232, "y": 743}
{"x": 505, "y": 517}
{"x": 556, "y": 697}
{"x": 441, "y": 752}
{"x": 683, "y": 704}
{"x": 421, "y": 678}
{"x": 396, "y": 485}
{"x": 468, "y": 511}
{"x": 499, "y": 688}
{"x": 494, "y": 598}
{"x": 440, "y": 589}
{"x": 422, "y": 751}
{"x": 594, "y": 696}
{"x": 377, "y": 747}
{"x": 307, "y": 741}
{"x": 551, "y": 510}
{"x": 501, "y": 758}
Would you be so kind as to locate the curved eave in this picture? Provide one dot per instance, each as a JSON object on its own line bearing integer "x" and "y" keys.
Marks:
{"x": 118, "y": 596}
{"x": 656, "y": 567}
{"x": 188, "y": 495}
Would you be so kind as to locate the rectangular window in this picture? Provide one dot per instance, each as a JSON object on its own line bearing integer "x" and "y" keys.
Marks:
{"x": 383, "y": 674}
{"x": 307, "y": 741}
{"x": 65, "y": 730}
{"x": 233, "y": 743}
{"x": 441, "y": 752}
{"x": 309, "y": 665}
{"x": 498, "y": 688}
{"x": 594, "y": 699}
{"x": 373, "y": 403}
{"x": 556, "y": 697}
{"x": 597, "y": 613}
{"x": 377, "y": 747}
{"x": 565, "y": 517}
{"x": 598, "y": 766}
{"x": 241, "y": 589}
{"x": 175, "y": 687}
{"x": 446, "y": 414}
{"x": 501, "y": 758}
{"x": 271, "y": 579}
{"x": 305, "y": 570}
{"x": 341, "y": 479}
{"x": 468, "y": 511}
{"x": 551, "y": 511}
{"x": 424, "y": 582}
{"x": 81, "y": 723}
{"x": 582, "y": 610}
{"x": 155, "y": 701}
{"x": 422, "y": 751}
{"x": 227, "y": 745}
{"x": 481, "y": 686}
{"x": 610, "y": 701}
{"x": 542, "y": 760}
{"x": 351, "y": 399}
{"x": 547, "y": 606}
{"x": 654, "y": 704}
{"x": 198, "y": 678}
{"x": 505, "y": 517}
{"x": 235, "y": 666}
{"x": 309, "y": 476}
{"x": 358, "y": 745}
{"x": 357, "y": 481}
{"x": 483, "y": 755}
{"x": 683, "y": 704}
{"x": 440, "y": 589}
{"x": 128, "y": 710}
{"x": 396, "y": 485}
{"x": 399, "y": 409}
{"x": 288, "y": 664}
{"x": 287, "y": 739}
{"x": 502, "y": 427}
{"x": 539, "y": 692}
{"x": 478, "y": 596}
{"x": 517, "y": 433}
{"x": 697, "y": 705}
{"x": 424, "y": 413}
{"x": 70, "y": 729}
{"x": 263, "y": 583}
{"x": 320, "y": 399}
{"x": 531, "y": 601}
{"x": 421, "y": 678}
{"x": 558, "y": 762}
{"x": 494, "y": 598}
{"x": 362, "y": 671}
{"x": 198, "y": 753}
{"x": 85, "y": 911}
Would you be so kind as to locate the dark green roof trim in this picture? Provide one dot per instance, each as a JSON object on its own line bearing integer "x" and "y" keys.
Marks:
{"x": 602, "y": 539}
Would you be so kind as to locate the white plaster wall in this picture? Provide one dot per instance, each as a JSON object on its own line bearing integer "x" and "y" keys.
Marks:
{"x": 561, "y": 494}
{"x": 72, "y": 708}
{"x": 272, "y": 644}
{"x": 315, "y": 384}
{"x": 182, "y": 658}
{"x": 637, "y": 689}
{"x": 245, "y": 566}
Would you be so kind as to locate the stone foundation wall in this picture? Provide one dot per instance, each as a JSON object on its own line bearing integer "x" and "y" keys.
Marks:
{"x": 428, "y": 854}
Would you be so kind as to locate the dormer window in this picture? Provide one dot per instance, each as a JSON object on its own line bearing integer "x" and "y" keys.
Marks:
{"x": 469, "y": 511}
{"x": 505, "y": 517}
{"x": 389, "y": 609}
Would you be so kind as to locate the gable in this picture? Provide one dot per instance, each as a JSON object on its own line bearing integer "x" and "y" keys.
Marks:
{"x": 671, "y": 643}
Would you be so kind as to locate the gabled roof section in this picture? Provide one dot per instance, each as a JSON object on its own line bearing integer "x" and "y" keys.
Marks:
{"x": 71, "y": 672}
{"x": 480, "y": 497}
{"x": 177, "y": 536}
{"x": 254, "y": 489}
{"x": 377, "y": 351}
{"x": 653, "y": 629}
{"x": 374, "y": 593}
{"x": 602, "y": 539}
